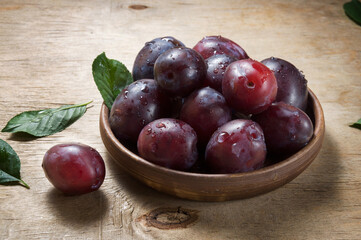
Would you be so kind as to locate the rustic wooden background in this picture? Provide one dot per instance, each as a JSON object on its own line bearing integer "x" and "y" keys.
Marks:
{"x": 46, "y": 51}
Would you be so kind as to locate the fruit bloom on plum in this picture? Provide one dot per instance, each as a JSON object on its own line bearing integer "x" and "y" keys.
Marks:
{"x": 74, "y": 168}
{"x": 170, "y": 143}
{"x": 143, "y": 66}
{"x": 179, "y": 71}
{"x": 205, "y": 110}
{"x": 138, "y": 104}
{"x": 292, "y": 85}
{"x": 286, "y": 128}
{"x": 214, "y": 45}
{"x": 237, "y": 146}
{"x": 216, "y": 67}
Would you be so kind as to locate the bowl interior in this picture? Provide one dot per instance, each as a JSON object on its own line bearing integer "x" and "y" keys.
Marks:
{"x": 216, "y": 187}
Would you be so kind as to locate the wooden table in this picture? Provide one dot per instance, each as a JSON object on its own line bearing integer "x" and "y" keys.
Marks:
{"x": 46, "y": 51}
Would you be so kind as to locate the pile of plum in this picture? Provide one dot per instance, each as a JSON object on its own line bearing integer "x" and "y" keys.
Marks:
{"x": 211, "y": 108}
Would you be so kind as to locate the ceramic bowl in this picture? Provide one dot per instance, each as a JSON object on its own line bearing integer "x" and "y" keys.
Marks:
{"x": 216, "y": 187}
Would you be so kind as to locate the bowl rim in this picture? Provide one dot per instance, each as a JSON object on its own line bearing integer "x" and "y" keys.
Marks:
{"x": 318, "y": 132}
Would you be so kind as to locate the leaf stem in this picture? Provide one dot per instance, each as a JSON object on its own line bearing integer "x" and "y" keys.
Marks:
{"x": 78, "y": 105}
{"x": 24, "y": 184}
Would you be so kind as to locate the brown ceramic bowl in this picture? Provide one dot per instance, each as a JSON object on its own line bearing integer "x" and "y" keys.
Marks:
{"x": 216, "y": 187}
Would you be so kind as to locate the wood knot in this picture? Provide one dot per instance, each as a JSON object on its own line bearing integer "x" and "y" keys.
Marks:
{"x": 170, "y": 218}
{"x": 138, "y": 7}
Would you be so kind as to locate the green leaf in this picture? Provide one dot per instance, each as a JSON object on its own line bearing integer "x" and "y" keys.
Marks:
{"x": 353, "y": 10}
{"x": 45, "y": 122}
{"x": 9, "y": 165}
{"x": 356, "y": 124}
{"x": 111, "y": 77}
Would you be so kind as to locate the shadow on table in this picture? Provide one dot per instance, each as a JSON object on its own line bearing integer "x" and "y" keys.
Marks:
{"x": 22, "y": 137}
{"x": 78, "y": 210}
{"x": 283, "y": 209}
{"x": 134, "y": 187}
{"x": 290, "y": 210}
{"x": 298, "y": 203}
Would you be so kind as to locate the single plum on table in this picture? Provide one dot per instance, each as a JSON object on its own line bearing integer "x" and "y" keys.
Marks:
{"x": 292, "y": 85}
{"x": 205, "y": 110}
{"x": 170, "y": 143}
{"x": 214, "y": 45}
{"x": 179, "y": 71}
{"x": 74, "y": 168}
{"x": 286, "y": 128}
{"x": 237, "y": 146}
{"x": 249, "y": 86}
{"x": 143, "y": 66}
{"x": 138, "y": 104}
{"x": 216, "y": 67}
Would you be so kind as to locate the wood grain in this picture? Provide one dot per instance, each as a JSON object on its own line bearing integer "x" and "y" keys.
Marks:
{"x": 46, "y": 51}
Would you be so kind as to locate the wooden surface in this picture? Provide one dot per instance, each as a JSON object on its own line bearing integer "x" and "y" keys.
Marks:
{"x": 46, "y": 51}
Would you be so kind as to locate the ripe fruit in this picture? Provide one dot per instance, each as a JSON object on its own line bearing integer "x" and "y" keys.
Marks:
{"x": 179, "y": 71}
{"x": 137, "y": 105}
{"x": 249, "y": 86}
{"x": 292, "y": 85}
{"x": 216, "y": 67}
{"x": 237, "y": 146}
{"x": 205, "y": 87}
{"x": 169, "y": 143}
{"x": 286, "y": 128}
{"x": 214, "y": 45}
{"x": 74, "y": 168}
{"x": 144, "y": 62}
{"x": 205, "y": 110}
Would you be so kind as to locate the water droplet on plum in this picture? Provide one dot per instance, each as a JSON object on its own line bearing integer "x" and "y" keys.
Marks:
{"x": 145, "y": 89}
{"x": 161, "y": 125}
{"x": 222, "y": 137}
{"x": 143, "y": 101}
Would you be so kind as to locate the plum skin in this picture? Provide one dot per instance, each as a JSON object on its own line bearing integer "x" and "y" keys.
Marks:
{"x": 179, "y": 71}
{"x": 216, "y": 67}
{"x": 292, "y": 85}
{"x": 74, "y": 168}
{"x": 143, "y": 66}
{"x": 237, "y": 146}
{"x": 286, "y": 128}
{"x": 137, "y": 105}
{"x": 170, "y": 143}
{"x": 205, "y": 110}
{"x": 213, "y": 45}
{"x": 249, "y": 86}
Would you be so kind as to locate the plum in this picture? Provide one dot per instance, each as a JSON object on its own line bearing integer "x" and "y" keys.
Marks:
{"x": 179, "y": 71}
{"x": 170, "y": 143}
{"x": 249, "y": 86}
{"x": 216, "y": 67}
{"x": 292, "y": 85}
{"x": 74, "y": 168}
{"x": 205, "y": 110}
{"x": 213, "y": 45}
{"x": 138, "y": 104}
{"x": 286, "y": 128}
{"x": 143, "y": 66}
{"x": 237, "y": 146}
